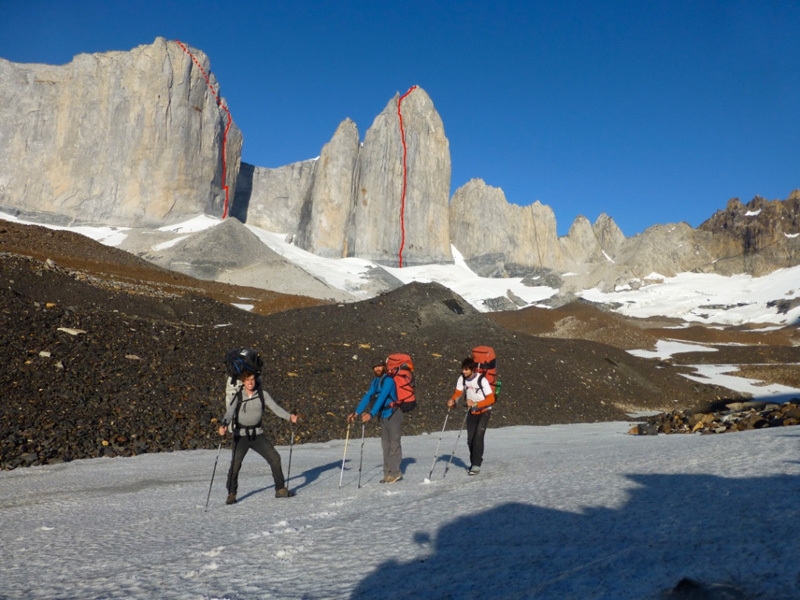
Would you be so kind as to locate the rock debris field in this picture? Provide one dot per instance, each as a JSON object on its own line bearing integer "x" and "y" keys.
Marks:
{"x": 105, "y": 354}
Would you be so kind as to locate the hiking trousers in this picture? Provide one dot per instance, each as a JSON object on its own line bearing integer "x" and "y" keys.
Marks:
{"x": 476, "y": 429}
{"x": 260, "y": 444}
{"x": 391, "y": 429}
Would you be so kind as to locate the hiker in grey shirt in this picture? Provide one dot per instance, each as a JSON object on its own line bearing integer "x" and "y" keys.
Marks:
{"x": 243, "y": 419}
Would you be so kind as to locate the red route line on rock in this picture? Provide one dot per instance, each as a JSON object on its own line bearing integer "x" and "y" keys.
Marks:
{"x": 227, "y": 126}
{"x": 405, "y": 176}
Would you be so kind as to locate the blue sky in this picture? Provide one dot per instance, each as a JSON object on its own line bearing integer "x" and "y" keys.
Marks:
{"x": 651, "y": 112}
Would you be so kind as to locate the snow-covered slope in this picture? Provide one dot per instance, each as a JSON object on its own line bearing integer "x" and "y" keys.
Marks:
{"x": 772, "y": 300}
{"x": 579, "y": 511}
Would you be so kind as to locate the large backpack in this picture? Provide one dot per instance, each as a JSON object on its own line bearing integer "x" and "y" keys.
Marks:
{"x": 486, "y": 365}
{"x": 240, "y": 360}
{"x": 237, "y": 361}
{"x": 400, "y": 367}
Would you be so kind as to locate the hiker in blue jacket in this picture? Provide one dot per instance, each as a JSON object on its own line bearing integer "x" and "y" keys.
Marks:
{"x": 382, "y": 393}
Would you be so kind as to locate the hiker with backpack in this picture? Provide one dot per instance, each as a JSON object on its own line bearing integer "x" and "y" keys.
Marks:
{"x": 381, "y": 399}
{"x": 477, "y": 390}
{"x": 243, "y": 419}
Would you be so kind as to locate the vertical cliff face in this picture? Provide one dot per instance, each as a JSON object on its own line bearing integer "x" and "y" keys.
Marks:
{"x": 273, "y": 199}
{"x": 329, "y": 205}
{"x": 349, "y": 201}
{"x": 386, "y": 226}
{"x": 608, "y": 234}
{"x": 122, "y": 138}
{"x": 580, "y": 244}
{"x": 497, "y": 238}
{"x": 476, "y": 231}
{"x": 310, "y": 200}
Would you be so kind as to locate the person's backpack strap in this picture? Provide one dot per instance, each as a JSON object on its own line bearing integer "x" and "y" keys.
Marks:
{"x": 481, "y": 377}
{"x": 380, "y": 390}
{"x": 263, "y": 402}
{"x": 237, "y": 397}
{"x": 376, "y": 393}
{"x": 250, "y": 432}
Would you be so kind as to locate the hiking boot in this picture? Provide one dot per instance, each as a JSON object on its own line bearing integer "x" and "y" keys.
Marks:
{"x": 231, "y": 499}
{"x": 473, "y": 470}
{"x": 284, "y": 493}
{"x": 392, "y": 478}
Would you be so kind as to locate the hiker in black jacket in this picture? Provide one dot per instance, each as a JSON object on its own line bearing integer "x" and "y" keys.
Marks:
{"x": 243, "y": 419}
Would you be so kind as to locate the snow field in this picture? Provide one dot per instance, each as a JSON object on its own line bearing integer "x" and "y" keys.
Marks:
{"x": 561, "y": 511}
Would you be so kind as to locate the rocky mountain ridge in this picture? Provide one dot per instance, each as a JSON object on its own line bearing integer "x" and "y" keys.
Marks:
{"x": 155, "y": 145}
{"x": 383, "y": 200}
{"x": 759, "y": 236}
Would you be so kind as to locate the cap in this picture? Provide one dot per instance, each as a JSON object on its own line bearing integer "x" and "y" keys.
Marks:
{"x": 378, "y": 362}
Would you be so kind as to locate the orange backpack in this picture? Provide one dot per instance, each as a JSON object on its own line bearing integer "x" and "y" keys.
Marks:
{"x": 486, "y": 365}
{"x": 401, "y": 368}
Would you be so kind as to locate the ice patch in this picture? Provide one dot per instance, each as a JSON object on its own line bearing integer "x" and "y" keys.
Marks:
{"x": 666, "y": 348}
{"x": 168, "y": 244}
{"x": 198, "y": 223}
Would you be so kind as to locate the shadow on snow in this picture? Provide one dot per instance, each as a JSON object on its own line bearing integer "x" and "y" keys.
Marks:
{"x": 710, "y": 529}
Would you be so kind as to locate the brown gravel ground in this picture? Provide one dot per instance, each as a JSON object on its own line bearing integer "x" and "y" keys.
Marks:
{"x": 770, "y": 356}
{"x": 147, "y": 374}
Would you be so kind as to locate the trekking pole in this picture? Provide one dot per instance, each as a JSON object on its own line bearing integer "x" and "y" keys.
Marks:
{"x": 289, "y": 467}
{"x": 436, "y": 454}
{"x": 361, "y": 460}
{"x": 219, "y": 449}
{"x": 344, "y": 456}
{"x": 456, "y": 444}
